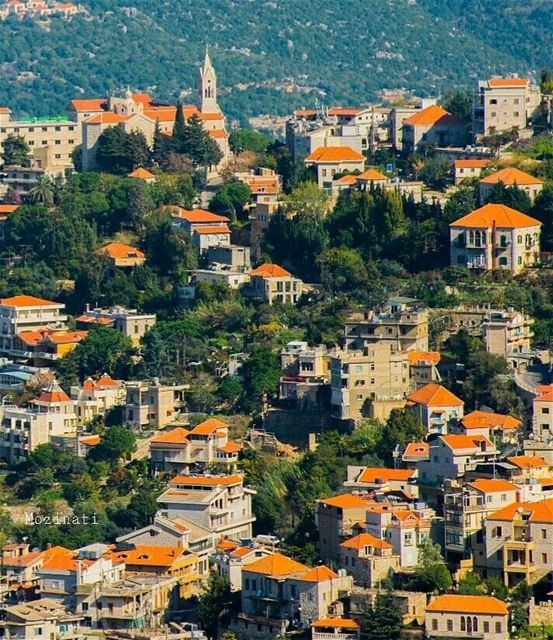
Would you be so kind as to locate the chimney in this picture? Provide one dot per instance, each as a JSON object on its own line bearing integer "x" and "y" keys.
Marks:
{"x": 87, "y": 307}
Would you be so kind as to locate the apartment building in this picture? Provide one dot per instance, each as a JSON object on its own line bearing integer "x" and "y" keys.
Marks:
{"x": 460, "y": 616}
{"x": 510, "y": 177}
{"x": 519, "y": 541}
{"x": 95, "y": 398}
{"x": 542, "y": 416}
{"x": 432, "y": 126}
{"x": 278, "y": 587}
{"x": 19, "y": 565}
{"x": 436, "y": 407}
{"x": 404, "y": 529}
{"x": 230, "y": 558}
{"x": 44, "y": 618}
{"x": 451, "y": 456}
{"x": 491, "y": 425}
{"x": 130, "y": 322}
{"x": 271, "y": 283}
{"x": 507, "y": 332}
{"x": 27, "y": 313}
{"x": 207, "y": 443}
{"x": 370, "y": 382}
{"x": 495, "y": 237}
{"x": 402, "y": 325}
{"x": 306, "y": 372}
{"x": 423, "y": 367}
{"x": 502, "y": 104}
{"x": 152, "y": 403}
{"x": 220, "y": 504}
{"x": 378, "y": 480}
{"x": 368, "y": 559}
{"x": 49, "y": 416}
{"x": 328, "y": 161}
{"x": 51, "y": 140}
{"x": 466, "y": 507}
{"x": 526, "y": 467}
{"x": 335, "y": 518}
{"x": 468, "y": 168}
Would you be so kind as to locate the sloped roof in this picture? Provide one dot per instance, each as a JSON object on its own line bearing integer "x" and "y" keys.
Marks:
{"x": 199, "y": 216}
{"x": 511, "y": 176}
{"x": 485, "y": 419}
{"x": 527, "y": 462}
{"x": 334, "y": 154}
{"x": 343, "y": 623}
{"x": 468, "y": 604}
{"x": 207, "y": 481}
{"x": 423, "y": 357}
{"x": 141, "y": 173}
{"x": 347, "y": 501}
{"x": 53, "y": 393}
{"x": 541, "y": 511}
{"x": 319, "y": 574}
{"x": 347, "y": 179}
{"x": 106, "y": 117}
{"x": 150, "y": 555}
{"x": 373, "y": 475}
{"x": 464, "y": 442}
{"x": 508, "y": 82}
{"x": 27, "y": 301}
{"x": 494, "y": 485}
{"x": 430, "y": 116}
{"x": 417, "y": 450}
{"x": 474, "y": 163}
{"x": 365, "y": 540}
{"x": 209, "y": 426}
{"x": 119, "y": 250}
{"x": 175, "y": 436}
{"x": 92, "y": 104}
{"x": 499, "y": 214}
{"x": 371, "y": 175}
{"x": 212, "y": 229}
{"x": 276, "y": 565}
{"x": 268, "y": 270}
{"x": 434, "y": 395}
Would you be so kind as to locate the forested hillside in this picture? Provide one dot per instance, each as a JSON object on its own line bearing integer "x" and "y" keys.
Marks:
{"x": 285, "y": 52}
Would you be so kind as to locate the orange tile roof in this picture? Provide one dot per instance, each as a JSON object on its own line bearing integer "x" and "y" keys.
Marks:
{"x": 105, "y": 381}
{"x": 175, "y": 436}
{"x": 141, "y": 173}
{"x": 53, "y": 393}
{"x": 95, "y": 320}
{"x": 343, "y": 623}
{"x": 55, "y": 337}
{"x": 59, "y": 559}
{"x": 499, "y": 214}
{"x": 275, "y": 565}
{"x": 212, "y": 229}
{"x": 432, "y": 115}
{"x": 163, "y": 114}
{"x": 107, "y": 117}
{"x": 217, "y": 133}
{"x": 216, "y": 115}
{"x": 227, "y": 545}
{"x": 423, "y": 357}
{"x": 319, "y": 574}
{"x": 209, "y": 426}
{"x": 335, "y": 154}
{"x": 143, "y": 98}
{"x": 495, "y": 485}
{"x": 464, "y": 442}
{"x": 150, "y": 556}
{"x": 207, "y": 481}
{"x": 508, "y": 82}
{"x": 240, "y": 552}
{"x": 417, "y": 450}
{"x": 6, "y": 209}
{"x": 546, "y": 397}
{"x": 476, "y": 163}
{"x": 347, "y": 179}
{"x": 376, "y": 475}
{"x": 27, "y": 301}
{"x": 231, "y": 447}
{"x": 484, "y": 419}
{"x": 511, "y": 176}
{"x": 268, "y": 270}
{"x": 347, "y": 501}
{"x": 262, "y": 185}
{"x": 365, "y": 540}
{"x": 541, "y": 511}
{"x": 371, "y": 175}
{"x": 118, "y": 250}
{"x": 90, "y": 441}
{"x": 344, "y": 111}
{"x": 468, "y": 604}
{"x": 527, "y": 462}
{"x": 434, "y": 395}
{"x": 93, "y": 104}
{"x": 199, "y": 216}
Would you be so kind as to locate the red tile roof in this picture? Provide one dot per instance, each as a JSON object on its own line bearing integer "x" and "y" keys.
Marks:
{"x": 495, "y": 485}
{"x": 468, "y": 604}
{"x": 208, "y": 481}
{"x": 371, "y": 175}
{"x": 141, "y": 173}
{"x": 199, "y": 216}
{"x": 211, "y": 229}
{"x": 175, "y": 436}
{"x": 365, "y": 540}
{"x": 268, "y": 270}
{"x": 419, "y": 450}
{"x": 209, "y": 426}
{"x": 376, "y": 475}
{"x": 347, "y": 501}
{"x": 511, "y": 176}
{"x": 508, "y": 82}
{"x": 336, "y": 623}
{"x": 275, "y": 565}
{"x": 434, "y": 395}
{"x": 502, "y": 216}
{"x": 118, "y": 251}
{"x": 93, "y": 104}
{"x": 432, "y": 115}
{"x": 106, "y": 117}
{"x": 27, "y": 301}
{"x": 476, "y": 163}
{"x": 528, "y": 462}
{"x": 541, "y": 511}
{"x": 319, "y": 574}
{"x": 488, "y": 420}
{"x": 464, "y": 442}
{"x": 335, "y": 154}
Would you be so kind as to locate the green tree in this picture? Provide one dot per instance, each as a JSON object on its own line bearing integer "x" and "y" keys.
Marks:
{"x": 459, "y": 104}
{"x": 471, "y": 585}
{"x": 249, "y": 140}
{"x": 197, "y": 144}
{"x": 543, "y": 211}
{"x": 179, "y": 127}
{"x": 402, "y": 427}
{"x": 43, "y": 192}
{"x": 306, "y": 198}
{"x": 384, "y": 620}
{"x": 261, "y": 372}
{"x": 16, "y": 151}
{"x": 342, "y": 270}
{"x": 120, "y": 152}
{"x": 117, "y": 443}
{"x": 213, "y": 602}
{"x": 510, "y": 196}
{"x": 431, "y": 573}
{"x": 231, "y": 200}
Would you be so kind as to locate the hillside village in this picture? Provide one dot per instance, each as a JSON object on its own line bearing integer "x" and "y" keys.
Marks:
{"x": 260, "y": 388}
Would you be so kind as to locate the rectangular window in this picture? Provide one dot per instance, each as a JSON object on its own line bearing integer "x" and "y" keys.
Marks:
{"x": 486, "y": 626}
{"x": 450, "y": 625}
{"x": 434, "y": 624}
{"x": 498, "y": 627}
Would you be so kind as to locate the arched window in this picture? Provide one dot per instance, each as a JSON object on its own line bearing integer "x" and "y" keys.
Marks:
{"x": 463, "y": 624}
{"x": 469, "y": 624}
{"x": 475, "y": 624}
{"x": 471, "y": 237}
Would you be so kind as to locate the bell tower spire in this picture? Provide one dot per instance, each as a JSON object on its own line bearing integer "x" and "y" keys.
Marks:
{"x": 207, "y": 86}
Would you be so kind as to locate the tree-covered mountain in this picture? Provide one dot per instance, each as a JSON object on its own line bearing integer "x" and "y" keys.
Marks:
{"x": 271, "y": 55}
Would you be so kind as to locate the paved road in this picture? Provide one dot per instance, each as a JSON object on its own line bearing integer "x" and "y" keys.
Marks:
{"x": 213, "y": 184}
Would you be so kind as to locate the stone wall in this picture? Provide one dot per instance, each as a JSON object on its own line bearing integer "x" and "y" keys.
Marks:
{"x": 541, "y": 613}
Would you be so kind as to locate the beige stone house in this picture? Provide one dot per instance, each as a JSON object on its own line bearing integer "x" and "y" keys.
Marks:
{"x": 271, "y": 283}
{"x": 495, "y": 237}
{"x": 432, "y": 126}
{"x": 368, "y": 559}
{"x": 510, "y": 177}
{"x": 438, "y": 409}
{"x": 328, "y": 161}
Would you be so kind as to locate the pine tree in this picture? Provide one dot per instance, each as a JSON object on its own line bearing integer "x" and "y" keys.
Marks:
{"x": 179, "y": 129}
{"x": 383, "y": 621}
{"x": 158, "y": 145}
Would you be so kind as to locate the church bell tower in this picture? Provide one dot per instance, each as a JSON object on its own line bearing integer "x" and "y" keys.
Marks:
{"x": 207, "y": 87}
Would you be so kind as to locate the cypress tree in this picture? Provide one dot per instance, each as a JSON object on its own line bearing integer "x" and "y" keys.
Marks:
{"x": 179, "y": 129}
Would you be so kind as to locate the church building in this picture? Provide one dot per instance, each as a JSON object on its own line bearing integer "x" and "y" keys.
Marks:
{"x": 139, "y": 111}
